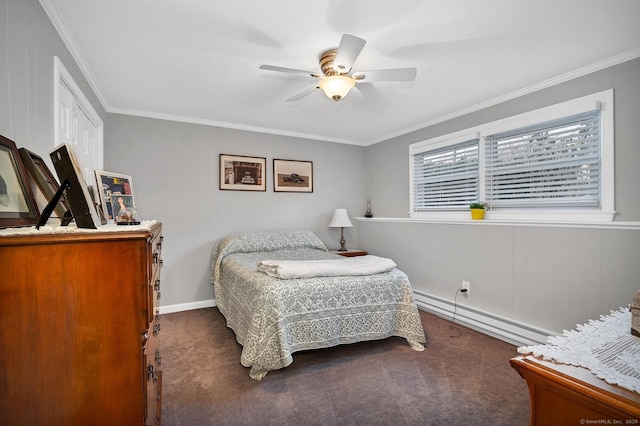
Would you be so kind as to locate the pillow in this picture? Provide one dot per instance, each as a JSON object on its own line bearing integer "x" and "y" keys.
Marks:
{"x": 247, "y": 242}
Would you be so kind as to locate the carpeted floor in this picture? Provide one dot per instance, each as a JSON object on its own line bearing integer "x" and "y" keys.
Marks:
{"x": 462, "y": 378}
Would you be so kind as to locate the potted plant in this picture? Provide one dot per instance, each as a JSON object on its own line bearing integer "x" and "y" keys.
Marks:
{"x": 477, "y": 210}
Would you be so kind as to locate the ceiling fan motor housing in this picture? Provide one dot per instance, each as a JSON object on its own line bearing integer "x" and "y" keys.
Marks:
{"x": 326, "y": 63}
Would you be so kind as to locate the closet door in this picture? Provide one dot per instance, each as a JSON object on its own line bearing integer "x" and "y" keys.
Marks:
{"x": 77, "y": 123}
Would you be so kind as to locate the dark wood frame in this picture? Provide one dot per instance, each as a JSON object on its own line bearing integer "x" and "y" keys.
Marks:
{"x": 20, "y": 179}
{"x": 260, "y": 185}
{"x": 69, "y": 174}
{"x": 45, "y": 181}
{"x": 283, "y": 182}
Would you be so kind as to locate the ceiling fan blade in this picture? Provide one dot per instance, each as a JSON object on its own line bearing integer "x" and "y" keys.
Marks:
{"x": 289, "y": 70}
{"x": 398, "y": 74}
{"x": 302, "y": 94}
{"x": 348, "y": 51}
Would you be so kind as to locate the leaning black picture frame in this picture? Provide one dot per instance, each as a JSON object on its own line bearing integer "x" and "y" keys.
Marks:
{"x": 77, "y": 192}
{"x": 45, "y": 182}
{"x": 17, "y": 204}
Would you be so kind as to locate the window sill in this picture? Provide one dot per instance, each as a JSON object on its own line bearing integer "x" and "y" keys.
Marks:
{"x": 632, "y": 226}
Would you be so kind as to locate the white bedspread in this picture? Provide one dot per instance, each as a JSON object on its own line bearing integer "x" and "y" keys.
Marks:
{"x": 360, "y": 265}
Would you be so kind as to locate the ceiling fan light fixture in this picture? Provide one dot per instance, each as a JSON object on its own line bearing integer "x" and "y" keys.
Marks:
{"x": 336, "y": 87}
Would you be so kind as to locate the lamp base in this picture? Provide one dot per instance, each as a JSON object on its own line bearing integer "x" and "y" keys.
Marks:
{"x": 342, "y": 247}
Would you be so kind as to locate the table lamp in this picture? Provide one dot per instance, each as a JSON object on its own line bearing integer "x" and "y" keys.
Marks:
{"x": 341, "y": 220}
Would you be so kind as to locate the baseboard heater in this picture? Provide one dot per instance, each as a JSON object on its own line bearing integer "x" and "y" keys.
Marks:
{"x": 496, "y": 326}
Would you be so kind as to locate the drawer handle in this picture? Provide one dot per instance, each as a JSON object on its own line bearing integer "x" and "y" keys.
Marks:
{"x": 158, "y": 358}
{"x": 156, "y": 286}
{"x": 152, "y": 373}
{"x": 156, "y": 329}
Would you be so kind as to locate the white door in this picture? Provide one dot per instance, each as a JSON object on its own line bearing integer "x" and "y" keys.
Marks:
{"x": 77, "y": 123}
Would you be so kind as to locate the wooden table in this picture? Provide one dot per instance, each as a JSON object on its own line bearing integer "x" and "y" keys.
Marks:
{"x": 567, "y": 395}
{"x": 350, "y": 252}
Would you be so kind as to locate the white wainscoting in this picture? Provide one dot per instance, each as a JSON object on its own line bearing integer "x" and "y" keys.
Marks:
{"x": 501, "y": 328}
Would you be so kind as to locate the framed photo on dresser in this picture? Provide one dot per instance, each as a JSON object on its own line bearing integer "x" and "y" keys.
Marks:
{"x": 17, "y": 204}
{"x": 46, "y": 184}
{"x": 109, "y": 184}
{"x": 73, "y": 184}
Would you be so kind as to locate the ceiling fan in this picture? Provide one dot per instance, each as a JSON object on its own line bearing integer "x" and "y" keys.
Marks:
{"x": 336, "y": 78}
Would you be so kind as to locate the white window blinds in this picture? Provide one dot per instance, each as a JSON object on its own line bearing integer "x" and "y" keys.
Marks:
{"x": 556, "y": 163}
{"x": 446, "y": 178}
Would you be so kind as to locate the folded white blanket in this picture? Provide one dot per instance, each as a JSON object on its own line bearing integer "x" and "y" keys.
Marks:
{"x": 359, "y": 265}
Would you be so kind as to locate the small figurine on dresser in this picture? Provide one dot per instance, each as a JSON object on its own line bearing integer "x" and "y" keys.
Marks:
{"x": 635, "y": 315}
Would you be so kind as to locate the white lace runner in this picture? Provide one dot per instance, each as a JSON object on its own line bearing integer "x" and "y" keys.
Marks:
{"x": 144, "y": 225}
{"x": 606, "y": 347}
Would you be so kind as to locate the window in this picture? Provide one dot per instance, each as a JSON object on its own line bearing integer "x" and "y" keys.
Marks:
{"x": 552, "y": 164}
{"x": 447, "y": 177}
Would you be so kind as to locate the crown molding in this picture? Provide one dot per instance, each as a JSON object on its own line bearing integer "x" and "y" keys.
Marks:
{"x": 69, "y": 41}
{"x": 571, "y": 75}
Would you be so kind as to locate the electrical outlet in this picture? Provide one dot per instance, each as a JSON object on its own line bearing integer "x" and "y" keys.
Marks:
{"x": 466, "y": 285}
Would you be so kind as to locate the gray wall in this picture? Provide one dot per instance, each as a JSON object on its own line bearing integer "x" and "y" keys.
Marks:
{"x": 175, "y": 168}
{"x": 28, "y": 44}
{"x": 549, "y": 278}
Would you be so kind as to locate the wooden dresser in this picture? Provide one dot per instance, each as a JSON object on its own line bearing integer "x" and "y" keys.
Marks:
{"x": 567, "y": 395}
{"x": 79, "y": 325}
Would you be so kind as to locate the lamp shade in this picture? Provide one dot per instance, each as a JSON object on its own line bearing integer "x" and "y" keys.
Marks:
{"x": 340, "y": 219}
{"x": 336, "y": 87}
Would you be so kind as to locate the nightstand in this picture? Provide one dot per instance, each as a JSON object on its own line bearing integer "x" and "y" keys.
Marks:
{"x": 350, "y": 252}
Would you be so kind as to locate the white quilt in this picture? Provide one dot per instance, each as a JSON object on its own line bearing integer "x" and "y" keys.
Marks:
{"x": 361, "y": 265}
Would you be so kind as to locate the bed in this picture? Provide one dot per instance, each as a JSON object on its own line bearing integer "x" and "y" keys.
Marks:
{"x": 273, "y": 317}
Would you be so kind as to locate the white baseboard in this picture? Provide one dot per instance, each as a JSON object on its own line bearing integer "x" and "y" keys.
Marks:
{"x": 169, "y": 309}
{"x": 514, "y": 332}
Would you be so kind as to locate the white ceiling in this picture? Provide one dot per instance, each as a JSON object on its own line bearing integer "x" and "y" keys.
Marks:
{"x": 197, "y": 60}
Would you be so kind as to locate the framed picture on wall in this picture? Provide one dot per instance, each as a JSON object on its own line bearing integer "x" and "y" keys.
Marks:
{"x": 17, "y": 204}
{"x": 46, "y": 184}
{"x": 292, "y": 176}
{"x": 241, "y": 173}
{"x": 109, "y": 184}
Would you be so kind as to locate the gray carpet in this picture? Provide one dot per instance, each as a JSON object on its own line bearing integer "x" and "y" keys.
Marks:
{"x": 462, "y": 378}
